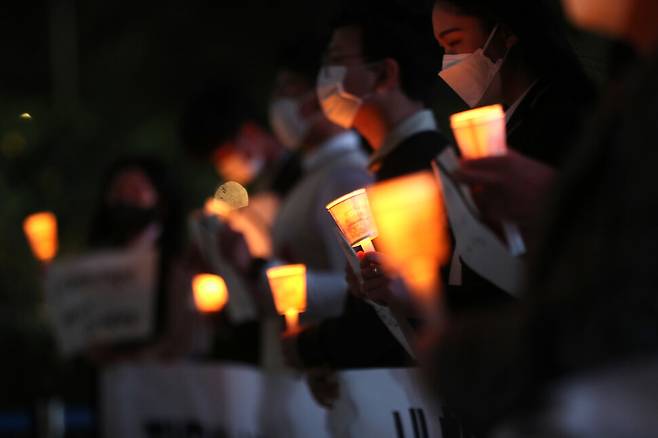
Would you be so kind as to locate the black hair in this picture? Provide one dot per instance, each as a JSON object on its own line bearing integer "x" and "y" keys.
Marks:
{"x": 215, "y": 115}
{"x": 302, "y": 55}
{"x": 541, "y": 30}
{"x": 401, "y": 34}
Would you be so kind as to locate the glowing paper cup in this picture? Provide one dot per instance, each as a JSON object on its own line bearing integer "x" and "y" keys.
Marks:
{"x": 353, "y": 216}
{"x": 413, "y": 235}
{"x": 210, "y": 293}
{"x": 41, "y": 232}
{"x": 288, "y": 285}
{"x": 480, "y": 132}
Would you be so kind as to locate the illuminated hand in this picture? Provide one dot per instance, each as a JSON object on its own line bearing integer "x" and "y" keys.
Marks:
{"x": 383, "y": 289}
{"x": 511, "y": 187}
{"x": 324, "y": 386}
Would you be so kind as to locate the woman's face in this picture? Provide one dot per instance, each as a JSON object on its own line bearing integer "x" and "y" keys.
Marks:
{"x": 457, "y": 34}
{"x": 132, "y": 187}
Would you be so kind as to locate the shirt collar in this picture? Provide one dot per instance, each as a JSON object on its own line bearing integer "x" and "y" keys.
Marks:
{"x": 420, "y": 121}
{"x": 512, "y": 109}
{"x": 336, "y": 145}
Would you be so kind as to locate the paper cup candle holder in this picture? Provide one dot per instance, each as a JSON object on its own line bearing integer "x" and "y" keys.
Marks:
{"x": 480, "y": 132}
{"x": 410, "y": 217}
{"x": 41, "y": 232}
{"x": 353, "y": 216}
{"x": 288, "y": 285}
{"x": 210, "y": 293}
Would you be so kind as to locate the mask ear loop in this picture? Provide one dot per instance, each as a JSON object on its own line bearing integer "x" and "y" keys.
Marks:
{"x": 491, "y": 35}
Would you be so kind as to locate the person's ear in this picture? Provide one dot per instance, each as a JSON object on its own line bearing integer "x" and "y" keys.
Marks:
{"x": 389, "y": 76}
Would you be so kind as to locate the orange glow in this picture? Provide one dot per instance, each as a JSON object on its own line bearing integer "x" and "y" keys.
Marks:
{"x": 413, "y": 236}
{"x": 288, "y": 285}
{"x": 480, "y": 132}
{"x": 612, "y": 17}
{"x": 41, "y": 232}
{"x": 210, "y": 292}
{"x": 354, "y": 219}
{"x": 216, "y": 207}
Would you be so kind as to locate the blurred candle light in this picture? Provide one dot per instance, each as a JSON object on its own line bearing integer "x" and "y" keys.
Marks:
{"x": 41, "y": 232}
{"x": 288, "y": 285}
{"x": 210, "y": 293}
{"x": 413, "y": 237}
{"x": 26, "y": 116}
{"x": 480, "y": 132}
{"x": 353, "y": 216}
{"x": 216, "y": 207}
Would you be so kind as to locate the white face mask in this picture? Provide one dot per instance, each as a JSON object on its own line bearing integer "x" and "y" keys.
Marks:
{"x": 287, "y": 122}
{"x": 452, "y": 60}
{"x": 474, "y": 76}
{"x": 339, "y": 106}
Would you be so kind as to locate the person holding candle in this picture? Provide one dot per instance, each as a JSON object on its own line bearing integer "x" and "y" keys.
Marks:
{"x": 139, "y": 207}
{"x": 334, "y": 163}
{"x": 591, "y": 301}
{"x": 514, "y": 53}
{"x": 393, "y": 84}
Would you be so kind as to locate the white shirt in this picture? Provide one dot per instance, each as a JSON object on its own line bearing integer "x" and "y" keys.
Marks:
{"x": 304, "y": 231}
{"x": 420, "y": 121}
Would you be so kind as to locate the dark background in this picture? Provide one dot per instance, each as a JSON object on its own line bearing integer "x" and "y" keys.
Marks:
{"x": 102, "y": 79}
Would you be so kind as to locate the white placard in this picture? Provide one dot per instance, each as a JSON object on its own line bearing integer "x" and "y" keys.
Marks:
{"x": 398, "y": 326}
{"x": 383, "y": 403}
{"x": 188, "y": 400}
{"x": 204, "y": 230}
{"x": 476, "y": 244}
{"x": 206, "y": 401}
{"x": 102, "y": 297}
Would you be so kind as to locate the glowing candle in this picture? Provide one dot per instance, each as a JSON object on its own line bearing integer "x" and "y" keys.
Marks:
{"x": 480, "y": 132}
{"x": 354, "y": 219}
{"x": 210, "y": 292}
{"x": 413, "y": 236}
{"x": 41, "y": 232}
{"x": 216, "y": 207}
{"x": 288, "y": 285}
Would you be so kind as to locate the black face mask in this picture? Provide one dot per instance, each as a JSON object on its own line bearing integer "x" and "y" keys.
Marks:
{"x": 126, "y": 221}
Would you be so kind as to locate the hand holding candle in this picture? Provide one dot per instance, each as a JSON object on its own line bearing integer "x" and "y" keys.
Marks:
{"x": 412, "y": 233}
{"x": 210, "y": 293}
{"x": 288, "y": 285}
{"x": 481, "y": 133}
{"x": 41, "y": 232}
{"x": 352, "y": 214}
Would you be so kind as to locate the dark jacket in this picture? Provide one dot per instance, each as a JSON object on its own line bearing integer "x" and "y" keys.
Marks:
{"x": 358, "y": 338}
{"x": 591, "y": 299}
{"x": 545, "y": 126}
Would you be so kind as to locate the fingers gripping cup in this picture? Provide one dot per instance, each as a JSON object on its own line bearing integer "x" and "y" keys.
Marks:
{"x": 288, "y": 285}
{"x": 353, "y": 216}
{"x": 480, "y": 132}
